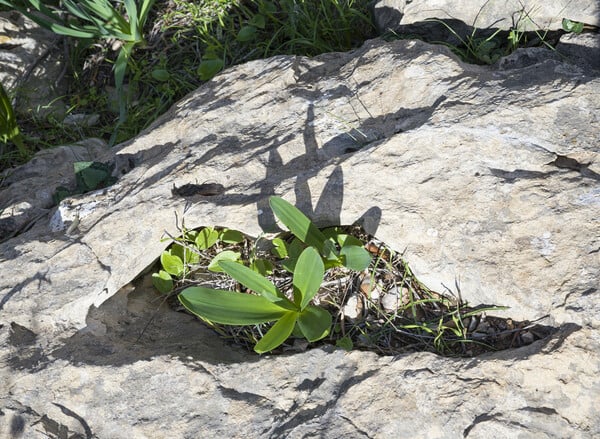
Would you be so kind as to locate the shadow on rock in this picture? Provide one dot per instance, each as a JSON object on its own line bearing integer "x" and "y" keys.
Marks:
{"x": 136, "y": 324}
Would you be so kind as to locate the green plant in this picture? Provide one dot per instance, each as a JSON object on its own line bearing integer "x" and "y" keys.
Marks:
{"x": 176, "y": 261}
{"x": 89, "y": 176}
{"x": 336, "y": 248}
{"x": 262, "y": 28}
{"x": 489, "y": 49}
{"x": 572, "y": 26}
{"x": 9, "y": 130}
{"x": 92, "y": 19}
{"x": 383, "y": 308}
{"x": 271, "y": 304}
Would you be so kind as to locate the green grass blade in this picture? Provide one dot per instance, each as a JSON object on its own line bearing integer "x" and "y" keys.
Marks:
{"x": 229, "y": 307}
{"x": 132, "y": 13}
{"x": 297, "y": 223}
{"x": 308, "y": 275}
{"x": 278, "y": 333}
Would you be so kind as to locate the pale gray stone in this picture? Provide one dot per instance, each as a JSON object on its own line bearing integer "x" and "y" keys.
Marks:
{"x": 27, "y": 192}
{"x": 487, "y": 177}
{"x": 525, "y": 15}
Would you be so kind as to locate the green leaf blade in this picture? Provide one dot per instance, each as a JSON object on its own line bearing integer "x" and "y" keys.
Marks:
{"x": 229, "y": 307}
{"x": 297, "y": 223}
{"x": 207, "y": 238}
{"x": 162, "y": 281}
{"x": 315, "y": 323}
{"x": 171, "y": 263}
{"x": 278, "y": 333}
{"x": 257, "y": 283}
{"x": 227, "y": 255}
{"x": 355, "y": 257}
{"x": 308, "y": 275}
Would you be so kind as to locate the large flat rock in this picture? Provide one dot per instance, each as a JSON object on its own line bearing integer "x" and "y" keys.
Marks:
{"x": 487, "y": 177}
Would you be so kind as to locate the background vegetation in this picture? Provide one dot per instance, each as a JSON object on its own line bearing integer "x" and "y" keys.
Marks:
{"x": 184, "y": 44}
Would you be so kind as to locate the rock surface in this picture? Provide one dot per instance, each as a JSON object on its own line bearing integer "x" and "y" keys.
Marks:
{"x": 526, "y": 15}
{"x": 489, "y": 177}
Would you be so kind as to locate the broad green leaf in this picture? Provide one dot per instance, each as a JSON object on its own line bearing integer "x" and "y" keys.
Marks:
{"x": 355, "y": 257}
{"x": 308, "y": 276}
{"x": 246, "y": 33}
{"x": 329, "y": 251}
{"x": 332, "y": 232}
{"x": 294, "y": 250}
{"x": 258, "y": 21}
{"x": 231, "y": 236}
{"x": 344, "y": 239}
{"x": 262, "y": 266}
{"x": 257, "y": 283}
{"x": 279, "y": 248}
{"x": 208, "y": 68}
{"x": 229, "y": 307}
{"x": 171, "y": 263}
{"x": 278, "y": 333}
{"x": 207, "y": 238}
{"x": 162, "y": 281}
{"x": 297, "y": 223}
{"x": 345, "y": 343}
{"x": 190, "y": 256}
{"x": 226, "y": 255}
{"x": 161, "y": 75}
{"x": 90, "y": 177}
{"x": 572, "y": 26}
{"x": 314, "y": 322}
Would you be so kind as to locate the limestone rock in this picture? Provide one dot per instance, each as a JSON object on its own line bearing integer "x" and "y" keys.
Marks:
{"x": 456, "y": 22}
{"x": 489, "y": 177}
{"x": 526, "y": 15}
{"x": 27, "y": 192}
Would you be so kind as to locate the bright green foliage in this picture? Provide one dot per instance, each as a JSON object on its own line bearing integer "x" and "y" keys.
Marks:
{"x": 172, "y": 263}
{"x": 162, "y": 281}
{"x": 92, "y": 19}
{"x": 226, "y": 255}
{"x": 207, "y": 238}
{"x": 9, "y": 130}
{"x": 89, "y": 176}
{"x": 232, "y": 308}
{"x": 185, "y": 251}
{"x": 572, "y": 26}
{"x": 351, "y": 254}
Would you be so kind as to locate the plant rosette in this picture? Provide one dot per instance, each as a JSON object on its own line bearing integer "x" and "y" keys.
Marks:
{"x": 336, "y": 285}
